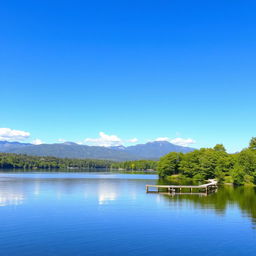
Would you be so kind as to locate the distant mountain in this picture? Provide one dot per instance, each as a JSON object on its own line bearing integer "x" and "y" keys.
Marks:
{"x": 69, "y": 143}
{"x": 74, "y": 151}
{"x": 156, "y": 149}
{"x": 6, "y": 146}
{"x": 150, "y": 150}
{"x": 121, "y": 147}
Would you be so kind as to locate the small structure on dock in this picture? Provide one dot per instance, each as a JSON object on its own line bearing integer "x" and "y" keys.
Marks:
{"x": 184, "y": 189}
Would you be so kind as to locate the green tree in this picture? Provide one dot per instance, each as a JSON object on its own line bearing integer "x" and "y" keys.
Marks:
{"x": 169, "y": 164}
{"x": 200, "y": 163}
{"x": 219, "y": 147}
{"x": 252, "y": 144}
{"x": 238, "y": 175}
{"x": 189, "y": 166}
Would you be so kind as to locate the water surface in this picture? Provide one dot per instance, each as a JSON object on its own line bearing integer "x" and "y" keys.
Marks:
{"x": 110, "y": 214}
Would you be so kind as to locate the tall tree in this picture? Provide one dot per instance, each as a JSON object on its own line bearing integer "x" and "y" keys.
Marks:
{"x": 252, "y": 144}
{"x": 219, "y": 147}
{"x": 169, "y": 164}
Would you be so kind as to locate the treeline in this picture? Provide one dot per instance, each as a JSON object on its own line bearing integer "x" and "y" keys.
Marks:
{"x": 139, "y": 165}
{"x": 208, "y": 163}
{"x": 202, "y": 164}
{"x": 11, "y": 161}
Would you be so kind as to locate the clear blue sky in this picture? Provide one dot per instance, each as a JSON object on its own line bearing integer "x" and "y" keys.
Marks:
{"x": 144, "y": 69}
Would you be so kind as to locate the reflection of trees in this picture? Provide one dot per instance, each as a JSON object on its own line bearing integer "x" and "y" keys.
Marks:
{"x": 14, "y": 191}
{"x": 243, "y": 197}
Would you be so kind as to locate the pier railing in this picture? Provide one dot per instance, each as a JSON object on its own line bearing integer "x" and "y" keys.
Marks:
{"x": 208, "y": 187}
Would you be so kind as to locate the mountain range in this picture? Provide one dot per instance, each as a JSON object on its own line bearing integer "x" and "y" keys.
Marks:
{"x": 151, "y": 150}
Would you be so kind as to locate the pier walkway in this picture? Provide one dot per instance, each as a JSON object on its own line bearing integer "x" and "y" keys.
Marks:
{"x": 208, "y": 187}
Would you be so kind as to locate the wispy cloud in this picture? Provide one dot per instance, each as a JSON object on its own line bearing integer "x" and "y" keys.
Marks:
{"x": 162, "y": 139}
{"x": 37, "y": 142}
{"x": 13, "y": 135}
{"x": 183, "y": 142}
{"x": 103, "y": 139}
{"x": 61, "y": 140}
{"x": 132, "y": 140}
{"x": 106, "y": 140}
{"x": 177, "y": 141}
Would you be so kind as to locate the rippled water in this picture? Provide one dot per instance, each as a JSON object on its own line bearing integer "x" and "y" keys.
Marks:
{"x": 110, "y": 214}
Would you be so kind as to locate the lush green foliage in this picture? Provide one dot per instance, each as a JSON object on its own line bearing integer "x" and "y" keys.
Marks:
{"x": 219, "y": 147}
{"x": 9, "y": 161}
{"x": 139, "y": 165}
{"x": 253, "y": 144}
{"x": 206, "y": 163}
{"x": 169, "y": 164}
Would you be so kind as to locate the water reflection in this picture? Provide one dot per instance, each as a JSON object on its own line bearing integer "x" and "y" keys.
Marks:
{"x": 15, "y": 190}
{"x": 55, "y": 214}
{"x": 10, "y": 198}
{"x": 106, "y": 193}
{"x": 225, "y": 198}
{"x": 11, "y": 193}
{"x": 104, "y": 188}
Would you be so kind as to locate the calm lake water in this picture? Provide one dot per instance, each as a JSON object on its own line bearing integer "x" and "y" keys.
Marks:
{"x": 110, "y": 214}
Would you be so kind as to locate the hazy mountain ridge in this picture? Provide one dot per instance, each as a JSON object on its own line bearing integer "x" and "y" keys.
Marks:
{"x": 150, "y": 150}
{"x": 156, "y": 149}
{"x": 6, "y": 146}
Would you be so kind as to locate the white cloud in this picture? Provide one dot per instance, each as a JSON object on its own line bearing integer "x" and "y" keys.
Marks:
{"x": 106, "y": 140}
{"x": 177, "y": 141}
{"x": 37, "y": 142}
{"x": 162, "y": 139}
{"x": 61, "y": 140}
{"x": 183, "y": 142}
{"x": 13, "y": 135}
{"x": 132, "y": 140}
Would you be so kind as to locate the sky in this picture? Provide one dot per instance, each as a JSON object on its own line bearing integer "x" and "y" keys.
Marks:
{"x": 127, "y": 72}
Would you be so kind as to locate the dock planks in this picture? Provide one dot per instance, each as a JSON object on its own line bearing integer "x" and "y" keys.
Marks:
{"x": 208, "y": 187}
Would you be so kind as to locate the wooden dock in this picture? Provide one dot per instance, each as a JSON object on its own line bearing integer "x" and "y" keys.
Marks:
{"x": 207, "y": 188}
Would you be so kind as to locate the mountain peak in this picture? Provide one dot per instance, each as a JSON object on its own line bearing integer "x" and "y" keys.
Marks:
{"x": 160, "y": 142}
{"x": 151, "y": 150}
{"x": 120, "y": 147}
{"x": 69, "y": 143}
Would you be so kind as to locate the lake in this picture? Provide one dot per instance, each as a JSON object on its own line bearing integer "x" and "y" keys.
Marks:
{"x": 110, "y": 214}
